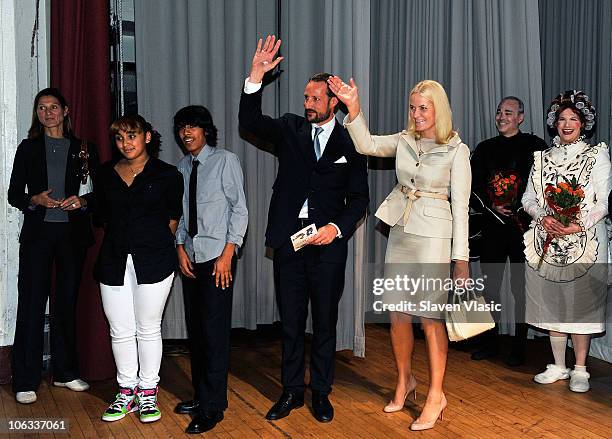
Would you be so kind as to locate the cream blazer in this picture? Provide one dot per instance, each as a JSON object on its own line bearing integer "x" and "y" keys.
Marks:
{"x": 443, "y": 170}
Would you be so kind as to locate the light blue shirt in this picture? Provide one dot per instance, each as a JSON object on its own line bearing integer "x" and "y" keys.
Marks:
{"x": 221, "y": 204}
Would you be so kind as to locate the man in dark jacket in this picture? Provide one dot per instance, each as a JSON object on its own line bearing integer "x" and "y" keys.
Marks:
{"x": 508, "y": 155}
{"x": 321, "y": 180}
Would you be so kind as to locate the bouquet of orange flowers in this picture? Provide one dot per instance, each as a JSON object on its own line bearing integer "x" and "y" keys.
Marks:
{"x": 504, "y": 189}
{"x": 564, "y": 202}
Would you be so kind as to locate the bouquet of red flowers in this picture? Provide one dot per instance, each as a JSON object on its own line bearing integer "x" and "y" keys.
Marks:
{"x": 504, "y": 191}
{"x": 564, "y": 202}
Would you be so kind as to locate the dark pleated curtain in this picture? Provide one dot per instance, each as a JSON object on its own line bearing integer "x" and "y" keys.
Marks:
{"x": 80, "y": 68}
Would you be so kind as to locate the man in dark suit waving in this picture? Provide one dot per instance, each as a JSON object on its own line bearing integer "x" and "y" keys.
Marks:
{"x": 321, "y": 180}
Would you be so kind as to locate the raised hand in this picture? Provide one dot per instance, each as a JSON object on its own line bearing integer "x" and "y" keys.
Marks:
{"x": 264, "y": 59}
{"x": 347, "y": 93}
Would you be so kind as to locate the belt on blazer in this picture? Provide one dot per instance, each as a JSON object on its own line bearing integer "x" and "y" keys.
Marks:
{"x": 414, "y": 194}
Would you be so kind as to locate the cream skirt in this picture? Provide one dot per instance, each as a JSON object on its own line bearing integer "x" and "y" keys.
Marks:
{"x": 420, "y": 269}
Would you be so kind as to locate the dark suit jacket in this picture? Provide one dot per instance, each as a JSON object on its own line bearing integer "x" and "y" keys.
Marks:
{"x": 30, "y": 169}
{"x": 336, "y": 192}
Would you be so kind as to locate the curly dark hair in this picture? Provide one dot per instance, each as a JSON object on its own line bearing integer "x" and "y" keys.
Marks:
{"x": 196, "y": 116}
{"x": 138, "y": 123}
{"x": 579, "y": 103}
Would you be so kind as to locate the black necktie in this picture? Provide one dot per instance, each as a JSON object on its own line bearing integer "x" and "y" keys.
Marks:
{"x": 193, "y": 189}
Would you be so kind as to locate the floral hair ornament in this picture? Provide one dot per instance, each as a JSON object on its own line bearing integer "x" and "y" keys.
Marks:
{"x": 579, "y": 102}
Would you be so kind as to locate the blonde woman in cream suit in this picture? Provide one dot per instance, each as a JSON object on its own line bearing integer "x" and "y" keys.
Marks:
{"x": 428, "y": 215}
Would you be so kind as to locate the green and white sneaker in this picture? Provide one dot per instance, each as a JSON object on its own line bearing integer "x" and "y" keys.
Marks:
{"x": 125, "y": 402}
{"x": 147, "y": 405}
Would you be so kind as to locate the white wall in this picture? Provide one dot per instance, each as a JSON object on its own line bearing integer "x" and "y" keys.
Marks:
{"x": 21, "y": 76}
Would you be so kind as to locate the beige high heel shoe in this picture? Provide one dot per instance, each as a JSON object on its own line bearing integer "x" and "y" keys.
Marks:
{"x": 420, "y": 425}
{"x": 392, "y": 408}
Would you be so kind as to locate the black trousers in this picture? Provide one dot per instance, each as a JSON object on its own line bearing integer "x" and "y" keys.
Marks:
{"x": 500, "y": 242}
{"x": 36, "y": 259}
{"x": 301, "y": 277}
{"x": 208, "y": 313}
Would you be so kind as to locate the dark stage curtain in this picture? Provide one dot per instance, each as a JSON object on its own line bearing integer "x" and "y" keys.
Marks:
{"x": 80, "y": 68}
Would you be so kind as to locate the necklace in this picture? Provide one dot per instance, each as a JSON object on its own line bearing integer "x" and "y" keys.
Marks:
{"x": 420, "y": 151}
{"x": 135, "y": 172}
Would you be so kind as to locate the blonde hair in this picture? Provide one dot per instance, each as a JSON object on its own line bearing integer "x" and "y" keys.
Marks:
{"x": 434, "y": 92}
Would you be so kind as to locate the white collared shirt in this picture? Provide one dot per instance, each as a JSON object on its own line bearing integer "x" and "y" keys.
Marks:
{"x": 328, "y": 127}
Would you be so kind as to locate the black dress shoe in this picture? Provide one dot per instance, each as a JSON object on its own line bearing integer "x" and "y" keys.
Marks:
{"x": 321, "y": 407}
{"x": 187, "y": 407}
{"x": 484, "y": 353}
{"x": 516, "y": 358}
{"x": 287, "y": 402}
{"x": 203, "y": 422}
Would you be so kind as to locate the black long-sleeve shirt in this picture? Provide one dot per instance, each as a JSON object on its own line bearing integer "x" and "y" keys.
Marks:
{"x": 501, "y": 154}
{"x": 136, "y": 219}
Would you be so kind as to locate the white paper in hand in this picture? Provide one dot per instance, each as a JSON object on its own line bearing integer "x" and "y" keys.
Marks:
{"x": 299, "y": 238}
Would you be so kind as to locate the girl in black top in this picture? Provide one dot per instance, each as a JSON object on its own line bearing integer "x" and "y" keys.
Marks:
{"x": 138, "y": 198}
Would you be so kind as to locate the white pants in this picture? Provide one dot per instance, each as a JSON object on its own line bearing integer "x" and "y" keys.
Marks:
{"x": 134, "y": 313}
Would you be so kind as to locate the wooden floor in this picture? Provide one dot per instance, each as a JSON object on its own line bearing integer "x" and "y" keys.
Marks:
{"x": 485, "y": 399}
